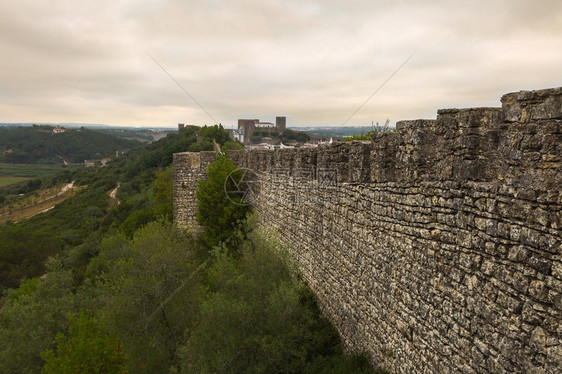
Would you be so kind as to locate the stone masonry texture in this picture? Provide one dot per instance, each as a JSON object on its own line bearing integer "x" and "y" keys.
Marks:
{"x": 435, "y": 248}
{"x": 188, "y": 168}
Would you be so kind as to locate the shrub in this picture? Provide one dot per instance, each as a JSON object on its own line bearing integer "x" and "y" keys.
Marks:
{"x": 215, "y": 132}
{"x": 232, "y": 145}
{"x": 295, "y": 135}
{"x": 86, "y": 349}
{"x": 217, "y": 212}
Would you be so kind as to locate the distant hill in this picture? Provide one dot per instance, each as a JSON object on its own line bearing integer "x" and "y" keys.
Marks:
{"x": 25, "y": 246}
{"x": 72, "y": 125}
{"x": 336, "y": 132}
{"x": 49, "y": 145}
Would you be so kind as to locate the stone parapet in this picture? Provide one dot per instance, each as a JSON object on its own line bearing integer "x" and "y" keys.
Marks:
{"x": 529, "y": 106}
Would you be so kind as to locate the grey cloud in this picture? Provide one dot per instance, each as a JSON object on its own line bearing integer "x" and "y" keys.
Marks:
{"x": 315, "y": 61}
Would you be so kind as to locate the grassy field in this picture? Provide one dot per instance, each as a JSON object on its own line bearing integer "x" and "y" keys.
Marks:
{"x": 32, "y": 170}
{"x": 8, "y": 179}
{"x": 14, "y": 173}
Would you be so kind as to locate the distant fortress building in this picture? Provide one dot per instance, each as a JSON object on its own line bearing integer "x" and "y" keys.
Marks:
{"x": 246, "y": 127}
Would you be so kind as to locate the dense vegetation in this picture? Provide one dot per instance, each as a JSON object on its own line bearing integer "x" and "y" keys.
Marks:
{"x": 77, "y": 225}
{"x": 127, "y": 169}
{"x": 95, "y": 286}
{"x": 33, "y": 170}
{"x": 293, "y": 135}
{"x": 218, "y": 213}
{"x": 38, "y": 144}
{"x": 336, "y": 132}
{"x": 139, "y": 134}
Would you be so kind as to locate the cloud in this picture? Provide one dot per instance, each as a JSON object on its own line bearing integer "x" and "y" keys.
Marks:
{"x": 314, "y": 61}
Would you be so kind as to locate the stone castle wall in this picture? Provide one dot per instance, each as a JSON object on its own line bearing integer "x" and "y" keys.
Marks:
{"x": 435, "y": 248}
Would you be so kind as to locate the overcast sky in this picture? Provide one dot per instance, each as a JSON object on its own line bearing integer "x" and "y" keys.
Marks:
{"x": 315, "y": 62}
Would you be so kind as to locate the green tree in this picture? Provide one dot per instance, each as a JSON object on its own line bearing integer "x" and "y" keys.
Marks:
{"x": 258, "y": 318}
{"x": 162, "y": 190}
{"x": 215, "y": 132}
{"x": 87, "y": 348}
{"x": 251, "y": 320}
{"x": 220, "y": 214}
{"x": 39, "y": 145}
{"x": 299, "y": 136}
{"x": 204, "y": 145}
{"x": 149, "y": 289}
{"x": 232, "y": 145}
{"x": 23, "y": 252}
{"x": 31, "y": 318}
{"x": 137, "y": 220}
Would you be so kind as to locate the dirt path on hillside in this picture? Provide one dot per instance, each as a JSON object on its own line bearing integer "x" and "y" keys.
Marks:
{"x": 66, "y": 188}
{"x": 63, "y": 160}
{"x": 113, "y": 195}
{"x": 113, "y": 192}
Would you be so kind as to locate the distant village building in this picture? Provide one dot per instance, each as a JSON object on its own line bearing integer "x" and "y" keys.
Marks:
{"x": 235, "y": 135}
{"x": 320, "y": 142}
{"x": 283, "y": 146}
{"x": 261, "y": 146}
{"x": 58, "y": 130}
{"x": 246, "y": 129}
{"x": 265, "y": 125}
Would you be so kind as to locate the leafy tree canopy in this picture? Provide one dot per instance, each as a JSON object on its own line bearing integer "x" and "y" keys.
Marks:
{"x": 218, "y": 212}
{"x": 232, "y": 145}
{"x": 86, "y": 349}
{"x": 215, "y": 132}
{"x": 299, "y": 136}
{"x": 152, "y": 293}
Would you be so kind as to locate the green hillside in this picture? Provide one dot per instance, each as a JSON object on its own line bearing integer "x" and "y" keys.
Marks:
{"x": 108, "y": 285}
{"x": 39, "y": 144}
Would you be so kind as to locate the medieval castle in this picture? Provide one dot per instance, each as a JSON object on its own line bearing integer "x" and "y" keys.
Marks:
{"x": 246, "y": 127}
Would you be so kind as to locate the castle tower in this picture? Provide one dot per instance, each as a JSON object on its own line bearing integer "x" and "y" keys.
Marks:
{"x": 281, "y": 123}
{"x": 247, "y": 126}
